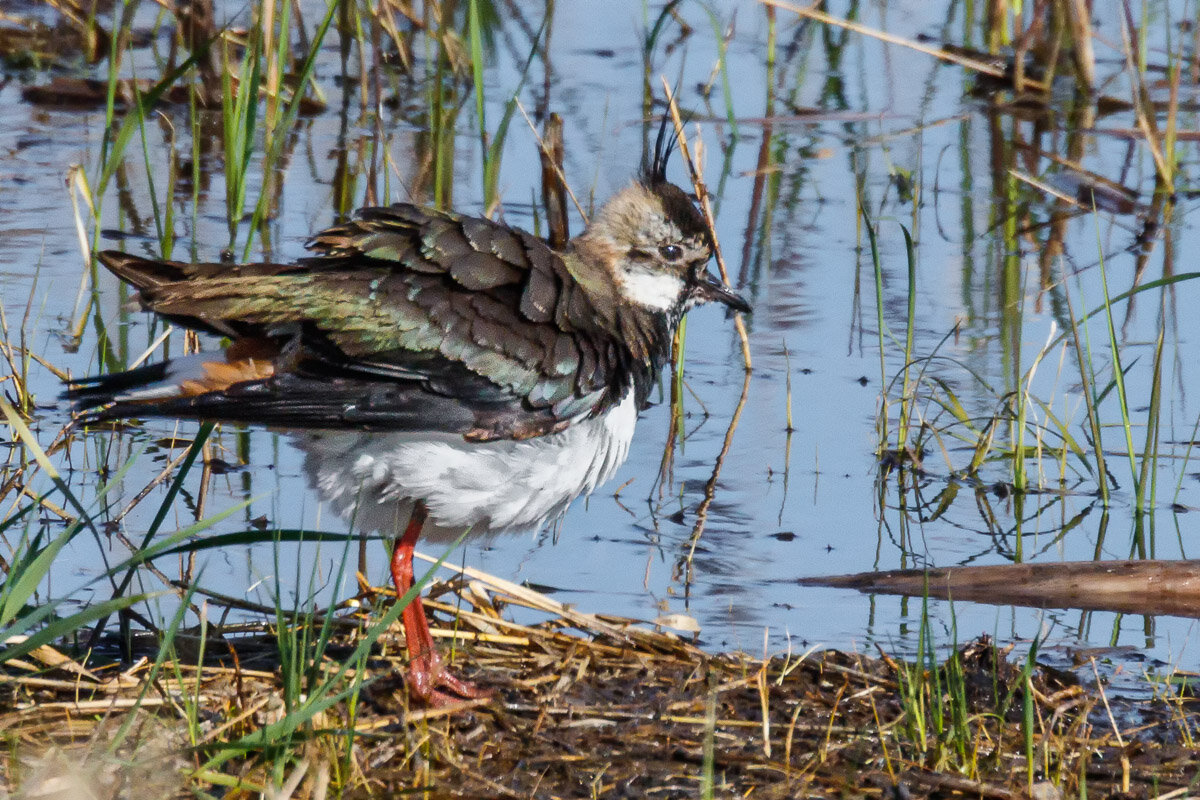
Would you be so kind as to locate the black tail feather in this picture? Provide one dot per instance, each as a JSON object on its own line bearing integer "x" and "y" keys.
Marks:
{"x": 288, "y": 401}
{"x": 98, "y": 390}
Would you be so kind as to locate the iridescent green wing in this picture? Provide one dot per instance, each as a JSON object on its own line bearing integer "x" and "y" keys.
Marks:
{"x": 418, "y": 302}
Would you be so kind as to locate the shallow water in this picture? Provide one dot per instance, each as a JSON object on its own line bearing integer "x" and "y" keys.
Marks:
{"x": 784, "y": 505}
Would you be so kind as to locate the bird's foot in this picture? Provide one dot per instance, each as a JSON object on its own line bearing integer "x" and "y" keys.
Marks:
{"x": 430, "y": 681}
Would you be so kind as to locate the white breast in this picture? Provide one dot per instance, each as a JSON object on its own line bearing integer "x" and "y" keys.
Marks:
{"x": 374, "y": 478}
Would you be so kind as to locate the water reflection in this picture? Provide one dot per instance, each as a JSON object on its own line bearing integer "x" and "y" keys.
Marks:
{"x": 1024, "y": 210}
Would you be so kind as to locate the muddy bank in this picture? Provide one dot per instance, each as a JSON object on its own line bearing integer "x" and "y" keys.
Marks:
{"x": 585, "y": 707}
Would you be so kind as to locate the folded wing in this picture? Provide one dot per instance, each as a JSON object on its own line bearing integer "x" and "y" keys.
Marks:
{"x": 403, "y": 319}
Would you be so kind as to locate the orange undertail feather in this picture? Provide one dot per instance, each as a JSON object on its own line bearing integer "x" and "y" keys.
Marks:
{"x": 178, "y": 379}
{"x": 245, "y": 360}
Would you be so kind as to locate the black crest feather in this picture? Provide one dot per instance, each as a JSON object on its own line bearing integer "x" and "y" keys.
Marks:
{"x": 677, "y": 204}
{"x": 654, "y": 168}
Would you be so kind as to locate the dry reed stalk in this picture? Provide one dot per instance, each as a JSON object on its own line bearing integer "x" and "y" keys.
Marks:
{"x": 543, "y": 148}
{"x": 976, "y": 65}
{"x": 1143, "y": 108}
{"x": 557, "y": 712}
{"x": 1079, "y": 21}
{"x": 554, "y": 187}
{"x": 696, "y": 170}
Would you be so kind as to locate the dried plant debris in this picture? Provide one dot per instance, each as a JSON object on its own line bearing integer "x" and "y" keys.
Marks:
{"x": 65, "y": 92}
{"x": 145, "y": 760}
{"x": 28, "y": 43}
{"x": 620, "y": 711}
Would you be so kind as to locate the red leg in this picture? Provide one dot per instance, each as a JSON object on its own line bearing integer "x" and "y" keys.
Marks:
{"x": 426, "y": 673}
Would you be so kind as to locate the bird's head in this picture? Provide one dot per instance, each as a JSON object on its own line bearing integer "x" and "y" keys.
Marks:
{"x": 654, "y": 246}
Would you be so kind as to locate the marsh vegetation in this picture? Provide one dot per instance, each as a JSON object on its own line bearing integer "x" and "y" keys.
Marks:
{"x": 965, "y": 229}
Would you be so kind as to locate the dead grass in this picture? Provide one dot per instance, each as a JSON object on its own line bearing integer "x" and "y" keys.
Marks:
{"x": 584, "y": 707}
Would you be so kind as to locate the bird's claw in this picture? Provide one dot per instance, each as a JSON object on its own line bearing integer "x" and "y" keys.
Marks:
{"x": 431, "y": 682}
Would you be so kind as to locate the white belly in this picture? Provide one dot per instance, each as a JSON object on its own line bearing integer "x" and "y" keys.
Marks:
{"x": 373, "y": 479}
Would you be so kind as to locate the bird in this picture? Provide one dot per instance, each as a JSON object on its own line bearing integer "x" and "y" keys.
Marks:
{"x": 441, "y": 372}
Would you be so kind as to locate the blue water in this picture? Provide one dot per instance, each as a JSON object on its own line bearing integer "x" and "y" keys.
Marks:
{"x": 785, "y": 505}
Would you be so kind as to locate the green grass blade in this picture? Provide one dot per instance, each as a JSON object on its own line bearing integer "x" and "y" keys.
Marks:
{"x": 60, "y": 628}
{"x": 25, "y": 577}
{"x": 278, "y": 140}
{"x": 134, "y": 121}
{"x": 39, "y": 455}
{"x": 323, "y": 696}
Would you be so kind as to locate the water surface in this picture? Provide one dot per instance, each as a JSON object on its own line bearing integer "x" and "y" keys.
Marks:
{"x": 856, "y": 123}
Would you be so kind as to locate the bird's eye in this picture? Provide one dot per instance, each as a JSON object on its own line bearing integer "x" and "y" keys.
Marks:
{"x": 671, "y": 252}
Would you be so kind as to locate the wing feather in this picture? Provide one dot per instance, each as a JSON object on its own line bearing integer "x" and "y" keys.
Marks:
{"x": 408, "y": 319}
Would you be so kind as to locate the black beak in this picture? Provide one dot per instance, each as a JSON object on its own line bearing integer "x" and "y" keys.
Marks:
{"x": 712, "y": 290}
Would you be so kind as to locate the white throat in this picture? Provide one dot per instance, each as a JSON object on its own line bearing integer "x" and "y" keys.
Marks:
{"x": 651, "y": 288}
